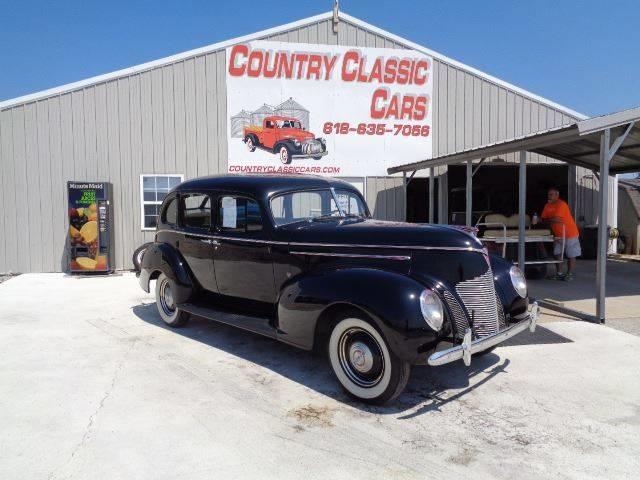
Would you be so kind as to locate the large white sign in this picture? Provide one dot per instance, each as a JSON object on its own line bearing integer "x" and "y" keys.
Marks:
{"x": 325, "y": 109}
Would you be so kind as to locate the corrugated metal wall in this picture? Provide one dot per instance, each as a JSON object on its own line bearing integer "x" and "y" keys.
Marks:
{"x": 470, "y": 111}
{"x": 172, "y": 119}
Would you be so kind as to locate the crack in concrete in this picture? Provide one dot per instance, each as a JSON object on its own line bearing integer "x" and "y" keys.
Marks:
{"x": 94, "y": 415}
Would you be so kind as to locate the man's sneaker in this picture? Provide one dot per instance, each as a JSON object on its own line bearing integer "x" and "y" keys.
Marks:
{"x": 560, "y": 276}
{"x": 568, "y": 277}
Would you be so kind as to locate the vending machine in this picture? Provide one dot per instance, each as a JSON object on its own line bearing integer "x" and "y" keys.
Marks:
{"x": 90, "y": 233}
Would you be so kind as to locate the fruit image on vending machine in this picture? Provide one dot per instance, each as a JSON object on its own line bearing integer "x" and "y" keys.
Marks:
{"x": 89, "y": 227}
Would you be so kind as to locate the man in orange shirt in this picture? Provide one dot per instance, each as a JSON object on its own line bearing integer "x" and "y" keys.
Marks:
{"x": 556, "y": 213}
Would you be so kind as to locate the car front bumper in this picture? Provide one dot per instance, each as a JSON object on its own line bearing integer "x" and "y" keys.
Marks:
{"x": 468, "y": 346}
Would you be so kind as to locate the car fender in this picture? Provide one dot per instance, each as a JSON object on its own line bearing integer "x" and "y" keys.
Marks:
{"x": 284, "y": 141}
{"x": 512, "y": 303}
{"x": 390, "y": 299}
{"x": 254, "y": 136}
{"x": 163, "y": 258}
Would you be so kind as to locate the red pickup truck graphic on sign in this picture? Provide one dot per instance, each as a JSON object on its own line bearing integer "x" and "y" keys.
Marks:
{"x": 285, "y": 137}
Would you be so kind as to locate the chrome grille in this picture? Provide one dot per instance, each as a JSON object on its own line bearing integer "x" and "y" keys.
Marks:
{"x": 480, "y": 301}
{"x": 460, "y": 323}
{"x": 311, "y": 147}
{"x": 502, "y": 321}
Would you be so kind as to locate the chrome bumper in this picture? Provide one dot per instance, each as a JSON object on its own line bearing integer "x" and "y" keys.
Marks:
{"x": 469, "y": 347}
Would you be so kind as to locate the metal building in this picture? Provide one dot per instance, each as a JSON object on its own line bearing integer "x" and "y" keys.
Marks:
{"x": 169, "y": 117}
{"x": 291, "y": 108}
{"x": 238, "y": 122}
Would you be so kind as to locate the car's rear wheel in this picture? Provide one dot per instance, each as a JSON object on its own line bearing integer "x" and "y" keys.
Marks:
{"x": 285, "y": 154}
{"x": 251, "y": 146}
{"x": 363, "y": 363}
{"x": 169, "y": 312}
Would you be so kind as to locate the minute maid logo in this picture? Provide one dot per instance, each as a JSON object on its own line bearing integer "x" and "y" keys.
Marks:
{"x": 81, "y": 186}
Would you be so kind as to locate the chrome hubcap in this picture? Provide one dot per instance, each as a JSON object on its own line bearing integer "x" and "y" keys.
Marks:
{"x": 166, "y": 298}
{"x": 361, "y": 357}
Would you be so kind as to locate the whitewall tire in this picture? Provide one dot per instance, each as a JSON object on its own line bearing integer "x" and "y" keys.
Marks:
{"x": 363, "y": 363}
{"x": 169, "y": 312}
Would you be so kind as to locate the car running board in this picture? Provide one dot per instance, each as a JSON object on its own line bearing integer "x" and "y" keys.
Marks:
{"x": 260, "y": 325}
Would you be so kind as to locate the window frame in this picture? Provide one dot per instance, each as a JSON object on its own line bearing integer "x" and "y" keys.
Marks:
{"x": 218, "y": 228}
{"x": 144, "y": 202}
{"x": 181, "y": 211}
{"x": 171, "y": 197}
{"x": 332, "y": 189}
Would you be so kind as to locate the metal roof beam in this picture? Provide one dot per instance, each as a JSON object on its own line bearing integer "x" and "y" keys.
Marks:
{"x": 532, "y": 142}
{"x": 569, "y": 160}
{"x": 597, "y": 152}
{"x": 618, "y": 143}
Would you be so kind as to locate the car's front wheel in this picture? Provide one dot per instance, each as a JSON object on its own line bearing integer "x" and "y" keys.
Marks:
{"x": 251, "y": 146}
{"x": 363, "y": 363}
{"x": 285, "y": 154}
{"x": 170, "y": 313}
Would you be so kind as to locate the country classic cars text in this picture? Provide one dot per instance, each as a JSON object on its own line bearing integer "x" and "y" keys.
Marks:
{"x": 354, "y": 66}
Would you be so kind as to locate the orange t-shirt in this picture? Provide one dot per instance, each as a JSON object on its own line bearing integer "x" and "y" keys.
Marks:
{"x": 561, "y": 210}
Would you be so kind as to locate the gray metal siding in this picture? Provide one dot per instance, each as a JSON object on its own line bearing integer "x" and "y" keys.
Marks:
{"x": 385, "y": 197}
{"x": 469, "y": 111}
{"x": 173, "y": 119}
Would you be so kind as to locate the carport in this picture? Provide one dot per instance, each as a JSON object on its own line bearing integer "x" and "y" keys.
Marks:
{"x": 607, "y": 145}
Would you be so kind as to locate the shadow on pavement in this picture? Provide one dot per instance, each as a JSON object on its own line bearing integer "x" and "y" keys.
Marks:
{"x": 542, "y": 336}
{"x": 427, "y": 388}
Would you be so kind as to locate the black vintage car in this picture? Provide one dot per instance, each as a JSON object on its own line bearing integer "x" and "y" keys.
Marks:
{"x": 299, "y": 259}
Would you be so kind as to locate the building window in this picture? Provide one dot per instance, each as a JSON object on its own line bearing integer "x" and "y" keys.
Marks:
{"x": 153, "y": 189}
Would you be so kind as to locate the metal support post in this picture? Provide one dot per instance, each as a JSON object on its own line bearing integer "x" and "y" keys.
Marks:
{"x": 404, "y": 196}
{"x": 522, "y": 201}
{"x": 432, "y": 195}
{"x": 601, "y": 262}
{"x": 469, "y": 193}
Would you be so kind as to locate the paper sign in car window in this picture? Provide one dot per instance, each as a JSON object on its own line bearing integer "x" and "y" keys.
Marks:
{"x": 229, "y": 212}
{"x": 344, "y": 202}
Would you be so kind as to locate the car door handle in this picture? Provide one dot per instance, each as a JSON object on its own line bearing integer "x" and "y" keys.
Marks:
{"x": 210, "y": 241}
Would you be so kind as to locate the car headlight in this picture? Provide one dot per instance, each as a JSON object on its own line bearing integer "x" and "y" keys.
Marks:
{"x": 431, "y": 308}
{"x": 518, "y": 281}
{"x": 296, "y": 142}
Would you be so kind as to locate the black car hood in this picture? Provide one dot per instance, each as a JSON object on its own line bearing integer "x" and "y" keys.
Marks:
{"x": 369, "y": 232}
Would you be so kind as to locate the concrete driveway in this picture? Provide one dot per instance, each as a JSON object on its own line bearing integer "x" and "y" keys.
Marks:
{"x": 93, "y": 386}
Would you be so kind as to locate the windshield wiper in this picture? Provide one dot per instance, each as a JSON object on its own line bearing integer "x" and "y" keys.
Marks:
{"x": 326, "y": 216}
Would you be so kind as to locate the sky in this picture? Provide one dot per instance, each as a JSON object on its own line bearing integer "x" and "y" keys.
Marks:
{"x": 580, "y": 54}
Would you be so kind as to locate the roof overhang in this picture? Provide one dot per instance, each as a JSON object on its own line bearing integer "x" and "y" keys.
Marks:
{"x": 575, "y": 143}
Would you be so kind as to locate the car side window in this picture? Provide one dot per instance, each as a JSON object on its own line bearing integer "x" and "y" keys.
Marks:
{"x": 268, "y": 124}
{"x": 196, "y": 211}
{"x": 170, "y": 212}
{"x": 239, "y": 215}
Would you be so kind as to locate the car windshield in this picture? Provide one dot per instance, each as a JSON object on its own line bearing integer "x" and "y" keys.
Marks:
{"x": 289, "y": 124}
{"x": 310, "y": 205}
